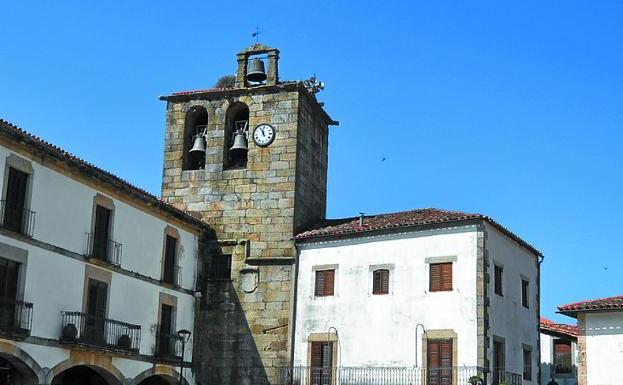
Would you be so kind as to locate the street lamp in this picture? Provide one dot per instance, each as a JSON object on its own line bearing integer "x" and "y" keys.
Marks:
{"x": 184, "y": 336}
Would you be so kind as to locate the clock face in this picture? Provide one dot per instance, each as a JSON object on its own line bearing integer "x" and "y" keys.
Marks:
{"x": 263, "y": 135}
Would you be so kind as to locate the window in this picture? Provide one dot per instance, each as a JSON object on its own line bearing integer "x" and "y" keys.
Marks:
{"x": 499, "y": 361}
{"x": 562, "y": 356}
{"x": 166, "y": 337}
{"x": 15, "y": 216}
{"x": 527, "y": 364}
{"x": 441, "y": 276}
{"x": 325, "y": 280}
{"x": 9, "y": 278}
{"x": 499, "y": 271}
{"x": 380, "y": 282}
{"x": 439, "y": 361}
{"x": 525, "y": 285}
{"x": 321, "y": 362}
{"x": 101, "y": 233}
{"x": 97, "y": 295}
{"x": 221, "y": 268}
{"x": 170, "y": 257}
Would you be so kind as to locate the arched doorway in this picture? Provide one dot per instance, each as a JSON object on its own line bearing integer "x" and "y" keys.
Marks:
{"x": 14, "y": 371}
{"x": 84, "y": 375}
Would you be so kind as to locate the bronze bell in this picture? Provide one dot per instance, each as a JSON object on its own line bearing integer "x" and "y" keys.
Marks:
{"x": 255, "y": 71}
{"x": 199, "y": 145}
{"x": 240, "y": 144}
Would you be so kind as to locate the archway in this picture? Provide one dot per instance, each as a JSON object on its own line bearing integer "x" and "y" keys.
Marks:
{"x": 14, "y": 371}
{"x": 85, "y": 375}
{"x": 160, "y": 375}
{"x": 158, "y": 380}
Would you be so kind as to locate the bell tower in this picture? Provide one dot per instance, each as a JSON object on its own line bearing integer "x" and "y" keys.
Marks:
{"x": 250, "y": 158}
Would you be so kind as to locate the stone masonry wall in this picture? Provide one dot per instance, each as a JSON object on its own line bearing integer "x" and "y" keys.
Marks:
{"x": 243, "y": 326}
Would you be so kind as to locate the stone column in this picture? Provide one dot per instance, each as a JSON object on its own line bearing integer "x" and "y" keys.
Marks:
{"x": 273, "y": 67}
{"x": 242, "y": 70}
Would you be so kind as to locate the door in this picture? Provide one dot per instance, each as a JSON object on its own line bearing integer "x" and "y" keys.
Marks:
{"x": 499, "y": 362}
{"x": 101, "y": 232}
{"x": 321, "y": 363}
{"x": 15, "y": 200}
{"x": 9, "y": 275}
{"x": 95, "y": 323}
{"x": 166, "y": 342}
{"x": 439, "y": 362}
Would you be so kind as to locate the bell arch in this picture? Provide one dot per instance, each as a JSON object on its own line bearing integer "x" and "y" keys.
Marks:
{"x": 236, "y": 122}
{"x": 70, "y": 372}
{"x": 20, "y": 364}
{"x": 159, "y": 375}
{"x": 195, "y": 125}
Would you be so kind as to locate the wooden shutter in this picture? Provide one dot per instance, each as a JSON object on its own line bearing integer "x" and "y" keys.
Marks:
{"x": 9, "y": 274}
{"x": 316, "y": 355}
{"x": 446, "y": 276}
{"x": 325, "y": 281}
{"x": 445, "y": 353}
{"x": 498, "y": 280}
{"x": 166, "y": 319}
{"x": 440, "y": 276}
{"x": 169, "y": 259}
{"x": 15, "y": 200}
{"x": 380, "y": 282}
{"x": 435, "y": 277}
{"x": 96, "y": 303}
{"x": 101, "y": 231}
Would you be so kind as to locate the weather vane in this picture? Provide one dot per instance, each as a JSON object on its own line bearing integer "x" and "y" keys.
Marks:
{"x": 256, "y": 34}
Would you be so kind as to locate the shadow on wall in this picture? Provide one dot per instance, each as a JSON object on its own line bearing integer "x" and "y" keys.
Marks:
{"x": 224, "y": 351}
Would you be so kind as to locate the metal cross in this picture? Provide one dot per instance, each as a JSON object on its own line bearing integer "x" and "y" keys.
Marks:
{"x": 256, "y": 34}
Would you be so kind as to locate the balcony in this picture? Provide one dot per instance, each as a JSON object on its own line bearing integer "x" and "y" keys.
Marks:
{"x": 84, "y": 329}
{"x": 168, "y": 346}
{"x": 105, "y": 250}
{"x": 19, "y": 220}
{"x": 506, "y": 378}
{"x": 305, "y": 375}
{"x": 173, "y": 276}
{"x": 15, "y": 318}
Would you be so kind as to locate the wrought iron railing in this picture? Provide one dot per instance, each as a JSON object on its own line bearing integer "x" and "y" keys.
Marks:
{"x": 105, "y": 250}
{"x": 17, "y": 219}
{"x": 506, "y": 378}
{"x": 173, "y": 277}
{"x": 15, "y": 317}
{"x": 168, "y": 346}
{"x": 85, "y": 329}
{"x": 304, "y": 375}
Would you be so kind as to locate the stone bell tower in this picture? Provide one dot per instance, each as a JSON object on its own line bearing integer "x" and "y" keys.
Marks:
{"x": 251, "y": 160}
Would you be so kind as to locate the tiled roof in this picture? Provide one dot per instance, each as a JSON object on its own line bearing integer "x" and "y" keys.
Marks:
{"x": 397, "y": 220}
{"x": 608, "y": 303}
{"x": 566, "y": 329}
{"x": 16, "y": 134}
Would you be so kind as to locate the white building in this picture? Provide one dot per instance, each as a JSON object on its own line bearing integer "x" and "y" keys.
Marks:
{"x": 426, "y": 288}
{"x": 559, "y": 353}
{"x": 600, "y": 340}
{"x": 96, "y": 275}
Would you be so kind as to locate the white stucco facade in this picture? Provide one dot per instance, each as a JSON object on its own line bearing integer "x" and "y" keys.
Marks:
{"x": 380, "y": 330}
{"x": 548, "y": 370}
{"x": 54, "y": 271}
{"x": 603, "y": 336}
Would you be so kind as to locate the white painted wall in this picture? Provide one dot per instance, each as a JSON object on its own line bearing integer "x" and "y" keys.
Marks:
{"x": 547, "y": 362}
{"x": 55, "y": 282}
{"x": 379, "y": 330}
{"x": 604, "y": 348}
{"x": 507, "y": 316}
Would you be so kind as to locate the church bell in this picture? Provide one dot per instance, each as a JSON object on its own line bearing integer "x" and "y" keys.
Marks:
{"x": 256, "y": 71}
{"x": 199, "y": 145}
{"x": 240, "y": 144}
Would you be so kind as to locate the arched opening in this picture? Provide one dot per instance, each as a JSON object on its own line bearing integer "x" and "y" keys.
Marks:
{"x": 236, "y": 122}
{"x": 195, "y": 126}
{"x": 84, "y": 375}
{"x": 158, "y": 380}
{"x": 15, "y": 372}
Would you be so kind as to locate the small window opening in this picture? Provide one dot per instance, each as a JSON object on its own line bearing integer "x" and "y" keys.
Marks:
{"x": 380, "y": 282}
{"x": 194, "y": 135}
{"x": 236, "y": 137}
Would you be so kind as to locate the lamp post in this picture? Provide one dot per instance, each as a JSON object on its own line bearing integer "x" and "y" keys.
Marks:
{"x": 424, "y": 331}
{"x": 184, "y": 336}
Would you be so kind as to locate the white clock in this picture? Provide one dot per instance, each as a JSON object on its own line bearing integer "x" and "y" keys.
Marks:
{"x": 263, "y": 134}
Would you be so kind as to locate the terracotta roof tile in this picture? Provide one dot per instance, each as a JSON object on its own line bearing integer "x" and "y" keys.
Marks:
{"x": 14, "y": 133}
{"x": 608, "y": 303}
{"x": 566, "y": 329}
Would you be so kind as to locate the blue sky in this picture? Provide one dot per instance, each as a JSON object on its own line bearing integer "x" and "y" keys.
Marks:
{"x": 510, "y": 109}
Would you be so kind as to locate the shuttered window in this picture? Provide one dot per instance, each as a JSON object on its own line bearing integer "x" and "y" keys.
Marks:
{"x": 170, "y": 249}
{"x": 15, "y": 200}
{"x": 380, "y": 281}
{"x": 527, "y": 364}
{"x": 441, "y": 276}
{"x": 325, "y": 280}
{"x": 525, "y": 285}
{"x": 321, "y": 372}
{"x": 498, "y": 272}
